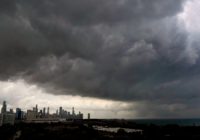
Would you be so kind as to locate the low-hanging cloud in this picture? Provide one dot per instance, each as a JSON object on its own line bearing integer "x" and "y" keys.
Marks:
{"x": 127, "y": 50}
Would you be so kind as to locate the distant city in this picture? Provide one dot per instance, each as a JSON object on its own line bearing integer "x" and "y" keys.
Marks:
{"x": 37, "y": 115}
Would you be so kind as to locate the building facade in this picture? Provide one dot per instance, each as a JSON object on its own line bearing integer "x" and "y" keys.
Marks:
{"x": 6, "y": 117}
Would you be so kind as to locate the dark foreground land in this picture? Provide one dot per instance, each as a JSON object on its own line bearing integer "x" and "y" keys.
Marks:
{"x": 84, "y": 130}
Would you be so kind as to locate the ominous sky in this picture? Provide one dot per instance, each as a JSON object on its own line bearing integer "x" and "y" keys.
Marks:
{"x": 112, "y": 58}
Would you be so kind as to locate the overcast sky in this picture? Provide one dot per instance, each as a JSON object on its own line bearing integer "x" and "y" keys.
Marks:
{"x": 112, "y": 58}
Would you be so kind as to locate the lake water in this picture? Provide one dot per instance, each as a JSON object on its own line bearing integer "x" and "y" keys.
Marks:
{"x": 161, "y": 122}
{"x": 115, "y": 129}
{"x": 181, "y": 122}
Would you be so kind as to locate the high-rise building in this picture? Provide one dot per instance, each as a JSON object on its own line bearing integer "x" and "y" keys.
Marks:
{"x": 36, "y": 108}
{"x": 44, "y": 111}
{"x": 88, "y": 116}
{"x": 40, "y": 113}
{"x": 73, "y": 112}
{"x": 18, "y": 114}
{"x": 80, "y": 115}
{"x": 6, "y": 117}
{"x": 31, "y": 115}
{"x": 4, "y": 107}
{"x": 60, "y": 111}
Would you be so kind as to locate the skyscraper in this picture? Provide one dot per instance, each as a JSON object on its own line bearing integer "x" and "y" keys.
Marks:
{"x": 60, "y": 111}
{"x": 44, "y": 111}
{"x": 18, "y": 114}
{"x": 88, "y": 116}
{"x": 73, "y": 112}
{"x": 6, "y": 117}
{"x": 4, "y": 107}
{"x": 36, "y": 108}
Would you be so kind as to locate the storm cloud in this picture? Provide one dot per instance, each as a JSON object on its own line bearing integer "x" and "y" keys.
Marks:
{"x": 126, "y": 50}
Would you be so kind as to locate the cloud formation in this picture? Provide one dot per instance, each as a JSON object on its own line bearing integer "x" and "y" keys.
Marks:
{"x": 126, "y": 50}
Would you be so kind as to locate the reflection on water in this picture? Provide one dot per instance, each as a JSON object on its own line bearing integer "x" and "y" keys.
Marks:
{"x": 115, "y": 129}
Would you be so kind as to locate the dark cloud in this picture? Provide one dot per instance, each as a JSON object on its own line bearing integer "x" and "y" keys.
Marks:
{"x": 89, "y": 12}
{"x": 7, "y": 7}
{"x": 129, "y": 50}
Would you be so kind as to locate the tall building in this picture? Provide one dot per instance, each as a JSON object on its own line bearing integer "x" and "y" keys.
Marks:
{"x": 44, "y": 111}
{"x": 6, "y": 117}
{"x": 88, "y": 116}
{"x": 31, "y": 115}
{"x": 48, "y": 111}
{"x": 18, "y": 114}
{"x": 36, "y": 108}
{"x": 4, "y": 107}
{"x": 80, "y": 115}
{"x": 40, "y": 113}
{"x": 73, "y": 112}
{"x": 60, "y": 111}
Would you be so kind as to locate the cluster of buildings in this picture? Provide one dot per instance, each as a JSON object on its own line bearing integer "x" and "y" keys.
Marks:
{"x": 43, "y": 114}
{"x": 37, "y": 115}
{"x": 6, "y": 117}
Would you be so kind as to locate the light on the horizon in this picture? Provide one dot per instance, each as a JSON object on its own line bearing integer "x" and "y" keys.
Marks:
{"x": 20, "y": 94}
{"x": 191, "y": 15}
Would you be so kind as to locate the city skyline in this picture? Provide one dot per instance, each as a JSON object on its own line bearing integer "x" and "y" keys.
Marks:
{"x": 45, "y": 110}
{"x": 97, "y": 107}
{"x": 39, "y": 115}
{"x": 112, "y": 58}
